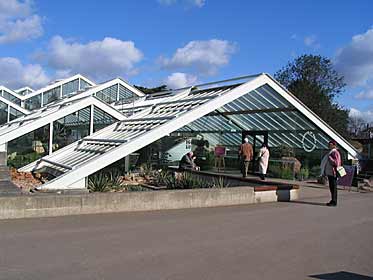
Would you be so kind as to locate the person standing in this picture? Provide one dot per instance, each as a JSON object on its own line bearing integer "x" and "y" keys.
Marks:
{"x": 263, "y": 160}
{"x": 328, "y": 166}
{"x": 246, "y": 154}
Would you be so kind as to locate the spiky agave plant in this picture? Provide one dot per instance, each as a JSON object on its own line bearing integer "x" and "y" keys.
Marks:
{"x": 220, "y": 183}
{"x": 99, "y": 182}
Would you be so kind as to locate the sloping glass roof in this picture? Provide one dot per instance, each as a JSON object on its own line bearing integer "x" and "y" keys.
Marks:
{"x": 53, "y": 112}
{"x": 222, "y": 113}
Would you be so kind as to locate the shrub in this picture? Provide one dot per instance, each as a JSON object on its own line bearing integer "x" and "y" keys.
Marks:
{"x": 116, "y": 181}
{"x": 304, "y": 173}
{"x": 105, "y": 181}
{"x": 286, "y": 173}
{"x": 162, "y": 177}
{"x": 315, "y": 171}
{"x": 186, "y": 180}
{"x": 99, "y": 182}
{"x": 135, "y": 188}
{"x": 220, "y": 183}
{"x": 146, "y": 169}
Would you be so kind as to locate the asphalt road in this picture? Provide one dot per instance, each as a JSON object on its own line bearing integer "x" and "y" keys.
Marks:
{"x": 303, "y": 240}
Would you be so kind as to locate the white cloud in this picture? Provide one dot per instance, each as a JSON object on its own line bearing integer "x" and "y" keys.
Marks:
{"x": 366, "y": 115}
{"x": 14, "y": 74}
{"x": 14, "y": 8}
{"x": 180, "y": 80}
{"x": 196, "y": 3}
{"x": 311, "y": 41}
{"x": 206, "y": 57}
{"x": 365, "y": 94}
{"x": 17, "y": 23}
{"x": 98, "y": 59}
{"x": 29, "y": 28}
{"x": 355, "y": 61}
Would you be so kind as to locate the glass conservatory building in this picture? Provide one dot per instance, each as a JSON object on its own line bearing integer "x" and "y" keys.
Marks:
{"x": 165, "y": 125}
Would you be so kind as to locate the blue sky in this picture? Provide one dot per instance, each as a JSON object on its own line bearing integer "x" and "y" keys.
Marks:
{"x": 179, "y": 42}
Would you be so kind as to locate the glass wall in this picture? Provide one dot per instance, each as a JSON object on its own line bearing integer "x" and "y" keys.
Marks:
{"x": 29, "y": 147}
{"x": 33, "y": 103}
{"x": 3, "y": 113}
{"x": 11, "y": 97}
{"x": 84, "y": 84}
{"x": 101, "y": 119}
{"x": 71, "y": 128}
{"x": 25, "y": 91}
{"x": 108, "y": 95}
{"x": 125, "y": 93}
{"x": 51, "y": 95}
{"x": 14, "y": 114}
{"x": 126, "y": 96}
{"x": 294, "y": 153}
{"x": 70, "y": 87}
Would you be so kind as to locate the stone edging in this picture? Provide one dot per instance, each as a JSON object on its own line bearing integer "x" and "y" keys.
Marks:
{"x": 60, "y": 205}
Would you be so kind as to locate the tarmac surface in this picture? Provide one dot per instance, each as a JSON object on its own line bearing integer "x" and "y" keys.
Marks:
{"x": 295, "y": 240}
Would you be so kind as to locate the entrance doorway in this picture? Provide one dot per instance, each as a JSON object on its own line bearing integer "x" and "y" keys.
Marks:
{"x": 256, "y": 139}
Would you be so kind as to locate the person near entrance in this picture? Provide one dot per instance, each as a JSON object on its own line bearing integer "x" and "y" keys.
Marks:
{"x": 220, "y": 152}
{"x": 246, "y": 155}
{"x": 187, "y": 162}
{"x": 329, "y": 165}
{"x": 263, "y": 158}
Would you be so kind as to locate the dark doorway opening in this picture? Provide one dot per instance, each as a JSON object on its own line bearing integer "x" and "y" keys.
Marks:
{"x": 256, "y": 139}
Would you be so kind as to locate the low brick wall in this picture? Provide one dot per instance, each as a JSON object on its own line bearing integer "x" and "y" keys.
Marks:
{"x": 48, "y": 205}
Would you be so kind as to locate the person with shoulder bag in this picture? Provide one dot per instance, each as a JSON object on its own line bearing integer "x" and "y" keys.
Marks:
{"x": 331, "y": 166}
{"x": 263, "y": 159}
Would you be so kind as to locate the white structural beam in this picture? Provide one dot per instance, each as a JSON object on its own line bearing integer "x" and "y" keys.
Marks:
{"x": 38, "y": 122}
{"x": 49, "y": 87}
{"x": 15, "y": 106}
{"x": 313, "y": 117}
{"x": 149, "y": 137}
{"x": 77, "y": 175}
{"x": 91, "y": 119}
{"x": 50, "y": 146}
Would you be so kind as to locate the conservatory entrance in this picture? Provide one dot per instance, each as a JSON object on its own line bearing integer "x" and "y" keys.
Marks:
{"x": 256, "y": 139}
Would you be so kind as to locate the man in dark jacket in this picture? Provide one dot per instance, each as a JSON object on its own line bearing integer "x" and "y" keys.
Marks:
{"x": 246, "y": 153}
{"x": 187, "y": 162}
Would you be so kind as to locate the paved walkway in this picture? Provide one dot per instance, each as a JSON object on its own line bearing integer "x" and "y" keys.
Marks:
{"x": 296, "y": 240}
{"x": 306, "y": 183}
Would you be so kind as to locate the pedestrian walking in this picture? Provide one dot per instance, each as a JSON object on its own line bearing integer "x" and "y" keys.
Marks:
{"x": 263, "y": 158}
{"x": 246, "y": 155}
{"x": 330, "y": 166}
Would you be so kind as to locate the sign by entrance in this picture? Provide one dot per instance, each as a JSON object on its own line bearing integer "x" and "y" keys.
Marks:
{"x": 309, "y": 141}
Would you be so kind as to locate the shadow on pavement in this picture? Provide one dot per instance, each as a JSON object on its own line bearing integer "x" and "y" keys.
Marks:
{"x": 341, "y": 275}
{"x": 308, "y": 202}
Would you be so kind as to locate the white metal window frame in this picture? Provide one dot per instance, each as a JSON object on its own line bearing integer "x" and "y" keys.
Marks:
{"x": 16, "y": 131}
{"x": 75, "y": 177}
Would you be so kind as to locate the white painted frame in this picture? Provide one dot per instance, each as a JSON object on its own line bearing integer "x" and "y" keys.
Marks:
{"x": 65, "y": 111}
{"x": 71, "y": 178}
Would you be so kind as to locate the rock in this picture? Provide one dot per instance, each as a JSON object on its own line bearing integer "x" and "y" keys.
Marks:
{"x": 295, "y": 165}
{"x": 369, "y": 182}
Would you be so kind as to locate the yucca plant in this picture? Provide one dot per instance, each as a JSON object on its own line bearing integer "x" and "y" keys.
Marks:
{"x": 104, "y": 181}
{"x": 162, "y": 177}
{"x": 186, "y": 181}
{"x": 172, "y": 183}
{"x": 116, "y": 181}
{"x": 146, "y": 169}
{"x": 220, "y": 183}
{"x": 99, "y": 182}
